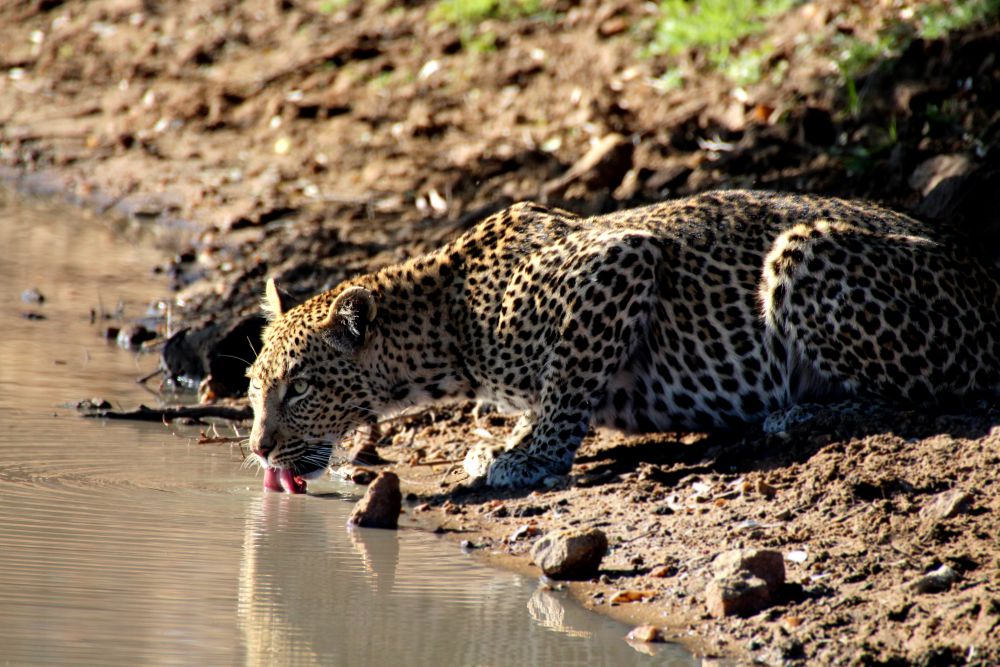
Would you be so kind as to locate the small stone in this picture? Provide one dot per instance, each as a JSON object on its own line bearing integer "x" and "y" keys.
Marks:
{"x": 93, "y": 404}
{"x": 32, "y": 295}
{"x": 613, "y": 26}
{"x": 362, "y": 476}
{"x": 663, "y": 571}
{"x": 132, "y": 337}
{"x": 935, "y": 581}
{"x": 736, "y": 596}
{"x": 570, "y": 553}
{"x": 625, "y": 597}
{"x": 930, "y": 173}
{"x": 792, "y": 621}
{"x": 364, "y": 453}
{"x": 763, "y": 563}
{"x": 947, "y": 504}
{"x": 645, "y": 633}
{"x": 765, "y": 489}
{"x": 527, "y": 530}
{"x": 746, "y": 581}
{"x": 381, "y": 504}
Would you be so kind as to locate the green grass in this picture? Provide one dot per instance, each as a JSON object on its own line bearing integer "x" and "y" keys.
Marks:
{"x": 471, "y": 12}
{"x": 711, "y": 25}
{"x": 937, "y": 19}
{"x": 933, "y": 20}
{"x": 331, "y": 6}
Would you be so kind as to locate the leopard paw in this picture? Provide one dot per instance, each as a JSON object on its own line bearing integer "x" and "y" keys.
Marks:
{"x": 516, "y": 468}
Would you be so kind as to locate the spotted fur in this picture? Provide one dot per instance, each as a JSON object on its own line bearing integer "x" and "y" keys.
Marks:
{"x": 707, "y": 312}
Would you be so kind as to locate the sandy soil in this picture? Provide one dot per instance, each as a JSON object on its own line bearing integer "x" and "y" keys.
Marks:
{"x": 316, "y": 140}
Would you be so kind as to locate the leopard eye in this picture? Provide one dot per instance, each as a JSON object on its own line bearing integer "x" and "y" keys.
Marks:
{"x": 298, "y": 388}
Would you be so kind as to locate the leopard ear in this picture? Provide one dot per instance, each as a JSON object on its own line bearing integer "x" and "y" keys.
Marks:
{"x": 349, "y": 319}
{"x": 275, "y": 302}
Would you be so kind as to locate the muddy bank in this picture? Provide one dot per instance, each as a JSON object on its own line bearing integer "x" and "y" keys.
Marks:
{"x": 312, "y": 141}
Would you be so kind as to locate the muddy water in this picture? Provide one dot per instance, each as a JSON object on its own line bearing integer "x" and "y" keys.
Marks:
{"x": 125, "y": 543}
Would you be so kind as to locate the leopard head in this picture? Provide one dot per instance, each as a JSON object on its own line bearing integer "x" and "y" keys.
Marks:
{"x": 311, "y": 384}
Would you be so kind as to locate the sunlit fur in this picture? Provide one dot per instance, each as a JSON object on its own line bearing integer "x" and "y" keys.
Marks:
{"x": 707, "y": 312}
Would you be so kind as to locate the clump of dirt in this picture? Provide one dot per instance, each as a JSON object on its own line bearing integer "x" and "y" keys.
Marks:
{"x": 312, "y": 141}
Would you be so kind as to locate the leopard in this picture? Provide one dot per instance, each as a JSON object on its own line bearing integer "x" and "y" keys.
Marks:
{"x": 712, "y": 311}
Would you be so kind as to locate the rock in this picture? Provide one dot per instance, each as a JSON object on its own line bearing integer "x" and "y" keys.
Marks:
{"x": 364, "y": 453}
{"x": 763, "y": 563}
{"x": 362, "y": 476}
{"x": 745, "y": 581}
{"x": 93, "y": 404}
{"x": 930, "y": 173}
{"x": 645, "y": 633}
{"x": 736, "y": 596}
{"x": 570, "y": 553}
{"x": 627, "y": 596}
{"x": 227, "y": 358}
{"x": 935, "y": 581}
{"x": 32, "y": 295}
{"x": 947, "y": 504}
{"x": 132, "y": 337}
{"x": 381, "y": 504}
{"x": 603, "y": 167}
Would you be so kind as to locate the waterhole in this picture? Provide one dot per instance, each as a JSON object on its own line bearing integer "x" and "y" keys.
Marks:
{"x": 129, "y": 543}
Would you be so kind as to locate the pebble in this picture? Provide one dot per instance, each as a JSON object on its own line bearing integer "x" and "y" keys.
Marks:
{"x": 132, "y": 337}
{"x": 96, "y": 403}
{"x": 663, "y": 571}
{"x": 947, "y": 504}
{"x": 763, "y": 563}
{"x": 935, "y": 581}
{"x": 381, "y": 504}
{"x": 527, "y": 530}
{"x": 736, "y": 596}
{"x": 362, "y": 476}
{"x": 570, "y": 553}
{"x": 624, "y": 597}
{"x": 32, "y": 295}
{"x": 645, "y": 633}
{"x": 745, "y": 582}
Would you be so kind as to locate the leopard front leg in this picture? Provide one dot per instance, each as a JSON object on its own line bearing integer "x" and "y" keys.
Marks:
{"x": 595, "y": 311}
{"x": 544, "y": 449}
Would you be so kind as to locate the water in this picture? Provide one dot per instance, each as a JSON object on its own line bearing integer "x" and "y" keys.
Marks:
{"x": 128, "y": 543}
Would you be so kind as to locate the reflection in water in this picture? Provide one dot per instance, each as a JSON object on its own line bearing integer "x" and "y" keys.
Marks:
{"x": 316, "y": 591}
{"x": 124, "y": 544}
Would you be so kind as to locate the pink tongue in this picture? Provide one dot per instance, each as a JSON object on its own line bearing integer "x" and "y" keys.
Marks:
{"x": 283, "y": 480}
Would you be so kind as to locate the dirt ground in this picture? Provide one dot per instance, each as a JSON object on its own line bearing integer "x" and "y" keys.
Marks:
{"x": 312, "y": 141}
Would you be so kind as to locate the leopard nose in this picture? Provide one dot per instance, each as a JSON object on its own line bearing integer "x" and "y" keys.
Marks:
{"x": 262, "y": 447}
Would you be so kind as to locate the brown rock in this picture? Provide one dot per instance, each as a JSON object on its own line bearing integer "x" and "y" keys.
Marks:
{"x": 381, "y": 505}
{"x": 934, "y": 581}
{"x": 645, "y": 633}
{"x": 930, "y": 173}
{"x": 736, "y": 596}
{"x": 947, "y": 504}
{"x": 746, "y": 581}
{"x": 570, "y": 553}
{"x": 765, "y": 564}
